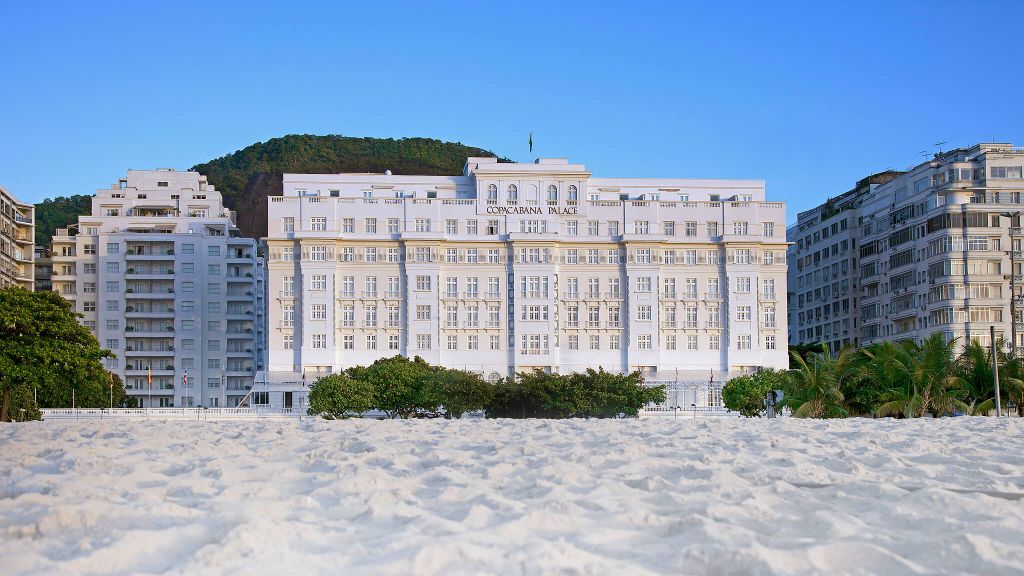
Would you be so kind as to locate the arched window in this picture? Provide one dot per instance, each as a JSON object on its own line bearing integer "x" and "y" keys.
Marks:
{"x": 552, "y": 193}
{"x": 492, "y": 192}
{"x": 574, "y": 194}
{"x": 494, "y": 378}
{"x": 513, "y": 192}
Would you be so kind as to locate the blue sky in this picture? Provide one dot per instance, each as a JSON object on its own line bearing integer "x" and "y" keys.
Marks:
{"x": 810, "y": 96}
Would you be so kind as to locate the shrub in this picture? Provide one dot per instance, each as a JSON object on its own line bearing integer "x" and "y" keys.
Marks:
{"x": 337, "y": 396}
{"x": 746, "y": 394}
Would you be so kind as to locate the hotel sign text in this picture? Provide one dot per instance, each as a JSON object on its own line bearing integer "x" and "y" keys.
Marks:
{"x": 556, "y": 210}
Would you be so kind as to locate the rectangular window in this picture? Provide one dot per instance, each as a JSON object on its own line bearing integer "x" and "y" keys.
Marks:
{"x": 318, "y": 224}
{"x": 319, "y": 341}
{"x": 423, "y": 283}
{"x": 318, "y": 312}
{"x": 743, "y": 342}
{"x": 423, "y": 341}
{"x": 213, "y": 269}
{"x": 643, "y": 341}
{"x": 213, "y": 250}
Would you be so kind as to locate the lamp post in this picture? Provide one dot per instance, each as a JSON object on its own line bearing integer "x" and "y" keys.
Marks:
{"x": 1013, "y": 281}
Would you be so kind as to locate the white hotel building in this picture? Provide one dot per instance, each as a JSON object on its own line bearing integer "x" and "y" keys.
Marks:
{"x": 163, "y": 279}
{"x": 513, "y": 267}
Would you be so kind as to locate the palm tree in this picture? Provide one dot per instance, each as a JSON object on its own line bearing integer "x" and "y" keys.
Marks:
{"x": 934, "y": 377}
{"x": 886, "y": 384}
{"x": 816, "y": 384}
{"x": 975, "y": 367}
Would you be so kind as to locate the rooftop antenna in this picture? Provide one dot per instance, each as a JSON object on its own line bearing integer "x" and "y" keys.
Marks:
{"x": 925, "y": 153}
{"x": 939, "y": 146}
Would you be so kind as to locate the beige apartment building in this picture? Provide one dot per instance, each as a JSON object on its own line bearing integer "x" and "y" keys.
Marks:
{"x": 17, "y": 237}
{"x": 933, "y": 249}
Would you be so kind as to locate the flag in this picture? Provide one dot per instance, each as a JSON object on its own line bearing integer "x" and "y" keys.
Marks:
{"x": 184, "y": 381}
{"x": 531, "y": 141}
{"x": 712, "y": 381}
{"x": 150, "y": 377}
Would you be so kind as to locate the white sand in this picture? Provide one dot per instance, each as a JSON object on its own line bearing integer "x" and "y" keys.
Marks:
{"x": 513, "y": 497}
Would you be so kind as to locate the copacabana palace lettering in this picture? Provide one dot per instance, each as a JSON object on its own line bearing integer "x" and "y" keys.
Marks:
{"x": 521, "y": 210}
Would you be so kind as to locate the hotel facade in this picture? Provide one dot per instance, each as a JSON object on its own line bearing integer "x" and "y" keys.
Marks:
{"x": 904, "y": 255}
{"x": 512, "y": 267}
{"x": 163, "y": 279}
{"x": 17, "y": 236}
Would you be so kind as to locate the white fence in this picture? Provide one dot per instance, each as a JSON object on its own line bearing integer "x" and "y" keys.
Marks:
{"x": 681, "y": 412}
{"x": 169, "y": 413}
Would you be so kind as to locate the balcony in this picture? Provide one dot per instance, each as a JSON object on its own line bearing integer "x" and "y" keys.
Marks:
{"x": 237, "y": 296}
{"x": 132, "y": 294}
{"x": 134, "y": 351}
{"x": 247, "y": 277}
{"x": 149, "y": 254}
{"x": 142, "y": 312}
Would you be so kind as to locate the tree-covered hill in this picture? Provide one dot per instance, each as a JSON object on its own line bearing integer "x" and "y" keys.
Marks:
{"x": 60, "y": 212}
{"x": 246, "y": 177}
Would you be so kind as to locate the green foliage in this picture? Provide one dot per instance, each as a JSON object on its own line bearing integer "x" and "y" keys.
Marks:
{"x": 458, "y": 392}
{"x": 815, "y": 387}
{"x": 402, "y": 387}
{"x": 746, "y": 394}
{"x": 234, "y": 173}
{"x": 60, "y": 212}
{"x": 337, "y": 396}
{"x": 596, "y": 394}
{"x": 47, "y": 352}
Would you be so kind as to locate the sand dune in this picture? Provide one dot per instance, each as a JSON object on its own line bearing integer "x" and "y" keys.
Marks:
{"x": 727, "y": 496}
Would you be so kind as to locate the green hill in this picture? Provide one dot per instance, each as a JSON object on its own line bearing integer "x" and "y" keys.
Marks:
{"x": 248, "y": 176}
{"x": 60, "y": 212}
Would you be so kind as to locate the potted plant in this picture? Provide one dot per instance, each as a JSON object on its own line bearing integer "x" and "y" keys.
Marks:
{"x": 170, "y": 252}
{"x": 170, "y": 366}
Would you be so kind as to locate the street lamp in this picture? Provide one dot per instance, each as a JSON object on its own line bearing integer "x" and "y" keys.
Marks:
{"x": 1013, "y": 281}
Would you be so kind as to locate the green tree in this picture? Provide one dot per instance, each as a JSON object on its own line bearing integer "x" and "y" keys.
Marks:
{"x": 746, "y": 394}
{"x": 401, "y": 386}
{"x": 458, "y": 392}
{"x": 337, "y": 396}
{"x": 590, "y": 394}
{"x": 609, "y": 395}
{"x": 45, "y": 351}
{"x": 883, "y": 380}
{"x": 815, "y": 387}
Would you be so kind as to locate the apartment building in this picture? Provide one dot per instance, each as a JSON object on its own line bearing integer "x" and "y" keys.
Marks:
{"x": 513, "y": 267}
{"x": 937, "y": 250}
{"x": 823, "y": 277}
{"x": 43, "y": 269}
{"x": 17, "y": 235}
{"x": 164, "y": 280}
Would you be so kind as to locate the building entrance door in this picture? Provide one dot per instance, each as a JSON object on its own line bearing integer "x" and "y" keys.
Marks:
{"x": 287, "y": 399}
